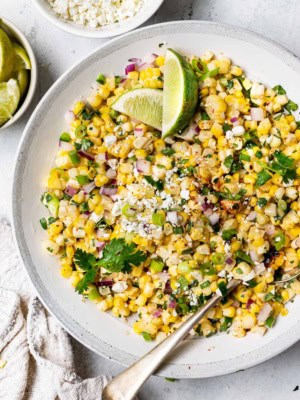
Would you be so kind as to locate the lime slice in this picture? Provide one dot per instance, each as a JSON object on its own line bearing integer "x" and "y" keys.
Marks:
{"x": 22, "y": 78}
{"x": 180, "y": 94}
{"x": 7, "y": 55}
{"x": 22, "y": 60}
{"x": 145, "y": 105}
{"x": 9, "y": 99}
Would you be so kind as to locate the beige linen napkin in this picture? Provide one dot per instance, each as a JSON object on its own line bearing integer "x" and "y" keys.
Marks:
{"x": 36, "y": 358}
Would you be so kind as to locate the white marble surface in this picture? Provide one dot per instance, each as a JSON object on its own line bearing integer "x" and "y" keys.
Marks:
{"x": 56, "y": 52}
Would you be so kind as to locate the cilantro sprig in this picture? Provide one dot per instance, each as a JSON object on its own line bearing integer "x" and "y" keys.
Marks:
{"x": 282, "y": 165}
{"x": 117, "y": 256}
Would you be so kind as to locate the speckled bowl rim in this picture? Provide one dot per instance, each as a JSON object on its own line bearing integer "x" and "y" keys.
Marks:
{"x": 210, "y": 369}
{"x": 106, "y": 31}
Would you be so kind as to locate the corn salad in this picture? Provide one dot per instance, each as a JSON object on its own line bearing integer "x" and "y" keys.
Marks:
{"x": 219, "y": 201}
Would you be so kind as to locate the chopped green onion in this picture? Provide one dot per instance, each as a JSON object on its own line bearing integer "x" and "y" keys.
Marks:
{"x": 270, "y": 322}
{"x": 101, "y": 79}
{"x": 65, "y": 137}
{"x": 278, "y": 241}
{"x": 43, "y": 222}
{"x": 80, "y": 131}
{"x": 218, "y": 258}
{"x": 205, "y": 284}
{"x": 74, "y": 157}
{"x": 184, "y": 267}
{"x": 82, "y": 179}
{"x": 128, "y": 211}
{"x": 147, "y": 337}
{"x": 158, "y": 219}
{"x": 157, "y": 265}
{"x": 183, "y": 283}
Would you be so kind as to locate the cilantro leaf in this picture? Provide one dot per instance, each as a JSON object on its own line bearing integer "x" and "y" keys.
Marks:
{"x": 285, "y": 161}
{"x": 262, "y": 178}
{"x": 84, "y": 260}
{"x": 279, "y": 89}
{"x": 120, "y": 256}
{"x": 87, "y": 262}
{"x": 157, "y": 184}
{"x": 228, "y": 234}
{"x": 291, "y": 106}
{"x": 89, "y": 277}
{"x": 241, "y": 255}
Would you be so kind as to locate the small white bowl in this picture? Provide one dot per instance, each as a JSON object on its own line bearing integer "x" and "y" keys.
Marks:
{"x": 106, "y": 31}
{"x": 16, "y": 34}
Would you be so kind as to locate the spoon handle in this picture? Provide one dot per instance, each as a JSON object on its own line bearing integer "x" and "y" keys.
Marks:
{"x": 126, "y": 385}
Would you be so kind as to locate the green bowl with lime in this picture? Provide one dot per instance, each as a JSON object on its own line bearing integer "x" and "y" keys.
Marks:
{"x": 18, "y": 73}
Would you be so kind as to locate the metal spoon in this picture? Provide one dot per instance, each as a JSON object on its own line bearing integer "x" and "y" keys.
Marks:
{"x": 126, "y": 385}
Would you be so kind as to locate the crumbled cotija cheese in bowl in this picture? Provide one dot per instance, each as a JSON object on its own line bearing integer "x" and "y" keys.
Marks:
{"x": 96, "y": 13}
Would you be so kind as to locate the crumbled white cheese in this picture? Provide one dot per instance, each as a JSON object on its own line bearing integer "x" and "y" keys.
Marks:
{"x": 96, "y": 13}
{"x": 185, "y": 194}
{"x": 110, "y": 140}
{"x": 119, "y": 287}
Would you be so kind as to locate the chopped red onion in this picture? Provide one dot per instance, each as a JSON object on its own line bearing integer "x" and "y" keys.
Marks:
{"x": 197, "y": 129}
{"x": 138, "y": 132}
{"x": 135, "y": 60}
{"x": 107, "y": 282}
{"x": 264, "y": 313}
{"x": 88, "y": 187}
{"x": 143, "y": 166}
{"x": 172, "y": 304}
{"x": 144, "y": 66}
{"x": 111, "y": 173}
{"x": 70, "y": 191}
{"x": 65, "y": 146}
{"x": 214, "y": 218}
{"x": 270, "y": 229}
{"x": 168, "y": 289}
{"x": 229, "y": 260}
{"x": 85, "y": 154}
{"x": 253, "y": 255}
{"x": 234, "y": 119}
{"x": 69, "y": 116}
{"x": 130, "y": 68}
{"x": 172, "y": 217}
{"x": 157, "y": 313}
{"x": 206, "y": 205}
{"x": 257, "y": 114}
{"x": 252, "y": 216}
{"x": 100, "y": 245}
{"x": 248, "y": 304}
{"x": 108, "y": 191}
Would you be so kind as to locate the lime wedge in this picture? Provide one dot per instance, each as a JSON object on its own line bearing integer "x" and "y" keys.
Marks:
{"x": 145, "y": 105}
{"x": 22, "y": 60}
{"x": 7, "y": 55}
{"x": 22, "y": 78}
{"x": 9, "y": 99}
{"x": 180, "y": 94}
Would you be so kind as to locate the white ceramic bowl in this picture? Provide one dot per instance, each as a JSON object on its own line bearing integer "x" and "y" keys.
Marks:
{"x": 221, "y": 354}
{"x": 146, "y": 11}
{"x": 15, "y": 33}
